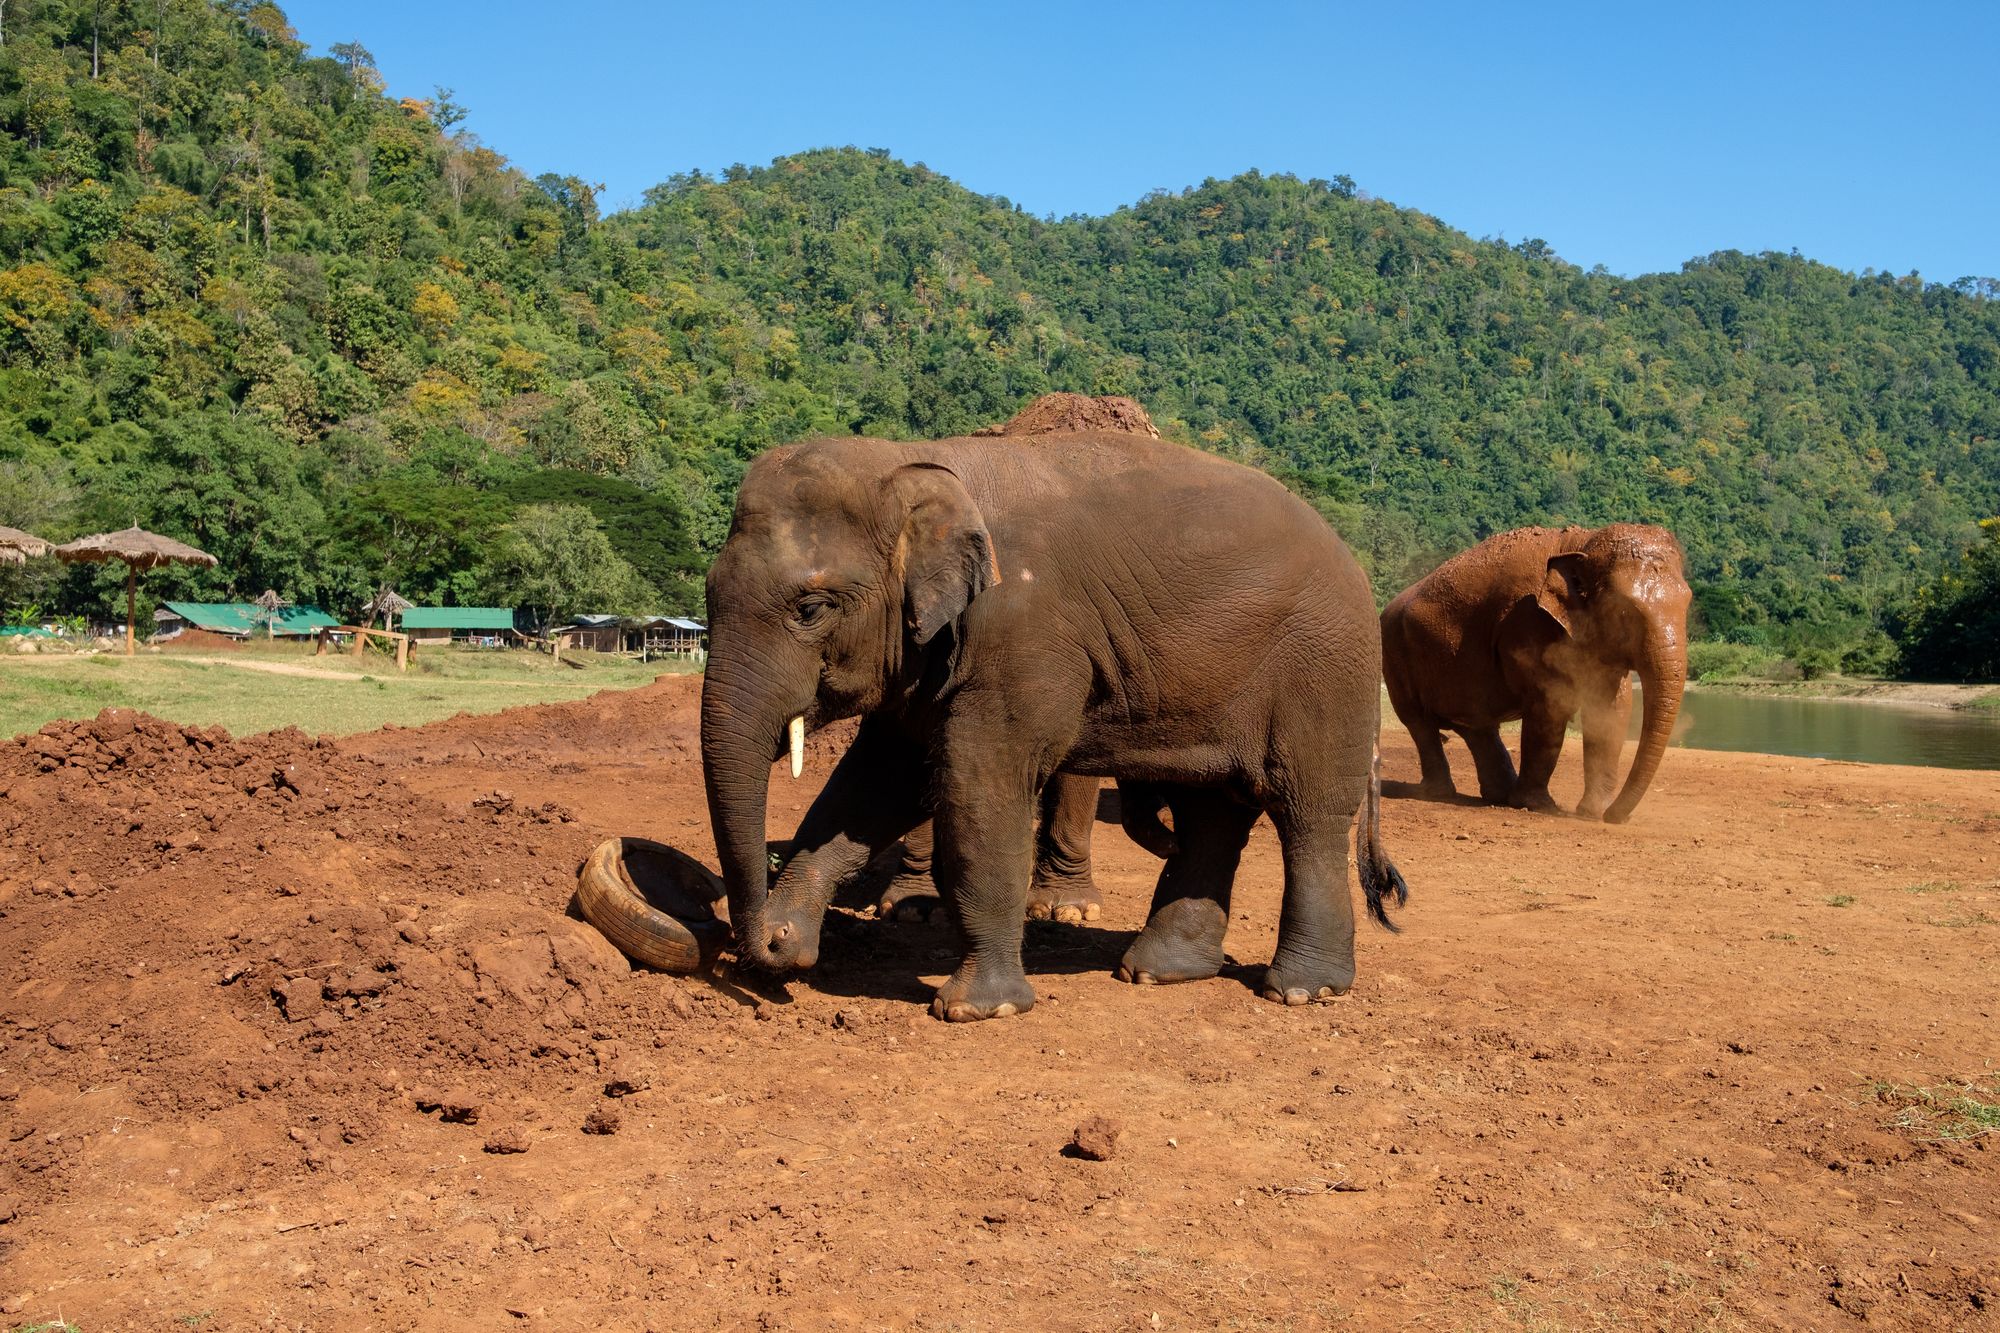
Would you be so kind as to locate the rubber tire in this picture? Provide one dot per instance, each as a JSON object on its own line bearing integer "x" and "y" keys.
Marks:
{"x": 670, "y": 924}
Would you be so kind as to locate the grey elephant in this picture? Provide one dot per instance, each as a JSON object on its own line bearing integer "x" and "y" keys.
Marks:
{"x": 1098, "y": 604}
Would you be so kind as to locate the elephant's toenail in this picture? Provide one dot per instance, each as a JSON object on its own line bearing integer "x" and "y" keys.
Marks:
{"x": 1295, "y": 997}
{"x": 1005, "y": 1010}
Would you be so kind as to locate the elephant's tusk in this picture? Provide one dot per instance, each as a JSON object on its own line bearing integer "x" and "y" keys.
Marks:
{"x": 798, "y": 730}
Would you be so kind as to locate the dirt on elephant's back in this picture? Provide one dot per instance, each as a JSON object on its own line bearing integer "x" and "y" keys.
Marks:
{"x": 300, "y": 1035}
{"x": 1074, "y": 413}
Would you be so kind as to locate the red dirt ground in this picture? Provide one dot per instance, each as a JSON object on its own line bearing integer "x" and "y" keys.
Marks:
{"x": 297, "y": 1035}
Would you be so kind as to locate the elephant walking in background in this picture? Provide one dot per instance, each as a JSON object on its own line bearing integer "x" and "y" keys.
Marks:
{"x": 998, "y": 612}
{"x": 1540, "y": 624}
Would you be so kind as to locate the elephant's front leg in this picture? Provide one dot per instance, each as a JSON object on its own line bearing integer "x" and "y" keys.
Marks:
{"x": 1607, "y": 715}
{"x": 1542, "y": 726}
{"x": 1063, "y": 888}
{"x": 985, "y": 829}
{"x": 1434, "y": 781}
{"x": 1489, "y": 757}
{"x": 911, "y": 891}
{"x": 873, "y": 797}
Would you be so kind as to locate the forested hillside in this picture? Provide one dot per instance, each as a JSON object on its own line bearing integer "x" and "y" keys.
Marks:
{"x": 250, "y": 300}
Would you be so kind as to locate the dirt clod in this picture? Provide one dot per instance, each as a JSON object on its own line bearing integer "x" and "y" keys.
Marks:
{"x": 509, "y": 1140}
{"x": 602, "y": 1120}
{"x": 626, "y": 1082}
{"x": 453, "y": 1107}
{"x": 1096, "y": 1139}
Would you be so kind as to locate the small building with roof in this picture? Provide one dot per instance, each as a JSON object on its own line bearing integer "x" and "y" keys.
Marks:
{"x": 487, "y": 626}
{"x": 242, "y": 620}
{"x": 598, "y": 634}
{"x": 652, "y": 635}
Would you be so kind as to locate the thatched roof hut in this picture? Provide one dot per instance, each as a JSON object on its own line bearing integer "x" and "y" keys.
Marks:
{"x": 18, "y": 547}
{"x": 139, "y": 549}
{"x": 385, "y": 604}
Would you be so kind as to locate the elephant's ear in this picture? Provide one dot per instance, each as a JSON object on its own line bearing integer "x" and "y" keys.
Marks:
{"x": 945, "y": 552}
{"x": 1562, "y": 591}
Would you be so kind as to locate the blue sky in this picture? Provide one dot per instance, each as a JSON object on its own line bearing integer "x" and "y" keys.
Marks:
{"x": 1635, "y": 136}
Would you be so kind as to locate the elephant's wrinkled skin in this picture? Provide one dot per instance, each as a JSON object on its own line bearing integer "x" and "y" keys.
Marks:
{"x": 1539, "y": 624}
{"x": 1097, "y": 604}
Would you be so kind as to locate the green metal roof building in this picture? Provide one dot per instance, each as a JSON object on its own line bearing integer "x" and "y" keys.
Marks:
{"x": 243, "y": 619}
{"x": 437, "y": 624}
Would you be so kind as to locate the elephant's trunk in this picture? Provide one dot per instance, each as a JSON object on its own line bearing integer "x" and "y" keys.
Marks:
{"x": 1662, "y": 676}
{"x": 739, "y": 737}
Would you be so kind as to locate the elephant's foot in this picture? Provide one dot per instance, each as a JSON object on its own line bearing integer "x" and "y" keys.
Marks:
{"x": 971, "y": 994}
{"x": 1436, "y": 789}
{"x": 1536, "y": 799}
{"x": 909, "y": 898}
{"x": 1183, "y": 942}
{"x": 1295, "y": 981}
{"x": 1592, "y": 810}
{"x": 1070, "y": 899}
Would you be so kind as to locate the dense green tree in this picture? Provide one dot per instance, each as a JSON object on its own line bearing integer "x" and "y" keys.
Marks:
{"x": 648, "y": 530}
{"x": 1951, "y": 628}
{"x": 427, "y": 538}
{"x": 554, "y": 561}
{"x": 368, "y": 339}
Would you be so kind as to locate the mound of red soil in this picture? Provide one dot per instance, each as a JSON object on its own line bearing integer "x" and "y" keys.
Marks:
{"x": 1074, "y": 413}
{"x": 655, "y": 724}
{"x": 190, "y": 922}
{"x": 192, "y": 640}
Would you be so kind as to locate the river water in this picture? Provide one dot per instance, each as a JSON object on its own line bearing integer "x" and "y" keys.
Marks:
{"x": 1866, "y": 732}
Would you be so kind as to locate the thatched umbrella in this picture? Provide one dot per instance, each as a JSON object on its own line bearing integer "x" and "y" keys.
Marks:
{"x": 17, "y": 546}
{"x": 139, "y": 549}
{"x": 268, "y": 605}
{"x": 387, "y": 605}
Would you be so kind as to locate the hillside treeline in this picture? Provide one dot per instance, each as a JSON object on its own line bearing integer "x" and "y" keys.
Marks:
{"x": 248, "y": 298}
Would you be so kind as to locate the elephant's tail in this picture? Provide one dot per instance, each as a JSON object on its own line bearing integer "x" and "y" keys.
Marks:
{"x": 1379, "y": 876}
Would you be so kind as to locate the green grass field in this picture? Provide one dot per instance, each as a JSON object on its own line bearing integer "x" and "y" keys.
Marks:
{"x": 262, "y": 687}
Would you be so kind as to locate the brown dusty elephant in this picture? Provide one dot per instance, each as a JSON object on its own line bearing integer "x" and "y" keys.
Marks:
{"x": 997, "y": 612}
{"x": 1539, "y": 624}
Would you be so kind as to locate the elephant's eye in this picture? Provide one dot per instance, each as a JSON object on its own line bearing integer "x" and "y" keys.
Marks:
{"x": 811, "y": 610}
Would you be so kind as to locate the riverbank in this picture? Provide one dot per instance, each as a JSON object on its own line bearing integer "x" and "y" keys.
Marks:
{"x": 1864, "y": 689}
